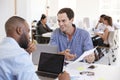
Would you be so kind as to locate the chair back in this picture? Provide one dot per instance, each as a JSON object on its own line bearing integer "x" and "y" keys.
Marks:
{"x": 112, "y": 38}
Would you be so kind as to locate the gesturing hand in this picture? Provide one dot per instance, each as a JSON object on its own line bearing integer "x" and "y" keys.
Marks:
{"x": 67, "y": 54}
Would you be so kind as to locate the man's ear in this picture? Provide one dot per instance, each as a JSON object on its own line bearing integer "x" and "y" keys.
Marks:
{"x": 19, "y": 30}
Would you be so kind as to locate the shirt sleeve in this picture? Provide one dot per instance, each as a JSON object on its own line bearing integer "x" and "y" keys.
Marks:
{"x": 53, "y": 39}
{"x": 88, "y": 44}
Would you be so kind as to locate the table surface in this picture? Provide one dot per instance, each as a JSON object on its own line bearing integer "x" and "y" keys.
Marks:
{"x": 100, "y": 72}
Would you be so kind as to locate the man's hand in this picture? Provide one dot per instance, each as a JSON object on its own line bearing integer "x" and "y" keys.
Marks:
{"x": 64, "y": 76}
{"x": 90, "y": 58}
{"x": 67, "y": 54}
{"x": 31, "y": 48}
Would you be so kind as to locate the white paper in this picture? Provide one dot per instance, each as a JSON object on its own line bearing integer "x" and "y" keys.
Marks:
{"x": 86, "y": 53}
{"x": 75, "y": 75}
{"x": 82, "y": 77}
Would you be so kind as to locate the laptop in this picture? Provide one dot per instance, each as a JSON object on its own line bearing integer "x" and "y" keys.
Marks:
{"x": 50, "y": 65}
{"x": 43, "y": 48}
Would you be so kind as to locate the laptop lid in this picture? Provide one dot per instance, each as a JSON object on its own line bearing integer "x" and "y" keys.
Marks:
{"x": 42, "y": 48}
{"x": 51, "y": 63}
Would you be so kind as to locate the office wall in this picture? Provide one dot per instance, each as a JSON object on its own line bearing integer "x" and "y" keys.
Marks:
{"x": 23, "y": 9}
{"x": 7, "y": 9}
{"x": 87, "y": 8}
{"x": 84, "y": 8}
{"x": 39, "y": 7}
{"x": 52, "y": 11}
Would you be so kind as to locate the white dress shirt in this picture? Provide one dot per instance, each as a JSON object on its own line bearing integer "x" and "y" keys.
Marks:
{"x": 15, "y": 62}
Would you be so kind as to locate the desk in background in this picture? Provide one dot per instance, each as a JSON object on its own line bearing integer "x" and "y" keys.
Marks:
{"x": 47, "y": 34}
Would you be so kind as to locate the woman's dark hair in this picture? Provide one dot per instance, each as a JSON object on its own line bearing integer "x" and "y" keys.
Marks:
{"x": 103, "y": 15}
{"x": 109, "y": 19}
{"x": 43, "y": 16}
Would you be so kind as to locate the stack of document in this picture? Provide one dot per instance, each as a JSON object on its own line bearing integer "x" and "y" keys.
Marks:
{"x": 86, "y": 53}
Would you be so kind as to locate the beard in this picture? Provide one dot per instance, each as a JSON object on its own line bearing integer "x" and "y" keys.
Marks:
{"x": 23, "y": 41}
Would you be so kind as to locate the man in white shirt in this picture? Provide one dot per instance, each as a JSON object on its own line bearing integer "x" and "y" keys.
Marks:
{"x": 15, "y": 62}
{"x": 100, "y": 26}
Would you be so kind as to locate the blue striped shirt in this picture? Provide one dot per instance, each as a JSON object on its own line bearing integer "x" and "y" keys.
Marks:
{"x": 80, "y": 42}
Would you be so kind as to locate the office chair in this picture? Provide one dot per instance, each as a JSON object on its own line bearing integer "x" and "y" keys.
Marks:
{"x": 110, "y": 51}
{"x": 40, "y": 39}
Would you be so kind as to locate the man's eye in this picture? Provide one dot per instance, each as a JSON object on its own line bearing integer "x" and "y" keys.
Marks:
{"x": 63, "y": 21}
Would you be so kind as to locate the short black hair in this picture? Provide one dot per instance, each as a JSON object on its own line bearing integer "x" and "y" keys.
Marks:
{"x": 68, "y": 11}
{"x": 103, "y": 15}
{"x": 12, "y": 21}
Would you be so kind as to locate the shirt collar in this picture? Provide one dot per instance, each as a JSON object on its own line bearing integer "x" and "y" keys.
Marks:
{"x": 11, "y": 41}
{"x": 74, "y": 32}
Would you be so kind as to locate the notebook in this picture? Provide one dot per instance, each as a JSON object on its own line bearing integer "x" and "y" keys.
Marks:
{"x": 50, "y": 65}
{"x": 42, "y": 48}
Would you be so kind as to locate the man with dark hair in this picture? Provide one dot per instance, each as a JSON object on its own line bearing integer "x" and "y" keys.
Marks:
{"x": 100, "y": 25}
{"x": 68, "y": 11}
{"x": 71, "y": 41}
{"x": 15, "y": 62}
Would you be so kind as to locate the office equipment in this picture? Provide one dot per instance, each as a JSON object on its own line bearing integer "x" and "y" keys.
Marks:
{"x": 50, "y": 65}
{"x": 43, "y": 48}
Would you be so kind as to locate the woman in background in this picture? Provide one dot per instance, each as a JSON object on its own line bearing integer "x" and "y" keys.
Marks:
{"x": 102, "y": 39}
{"x": 104, "y": 36}
{"x": 42, "y": 27}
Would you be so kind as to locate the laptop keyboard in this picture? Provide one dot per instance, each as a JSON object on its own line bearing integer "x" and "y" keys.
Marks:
{"x": 46, "y": 74}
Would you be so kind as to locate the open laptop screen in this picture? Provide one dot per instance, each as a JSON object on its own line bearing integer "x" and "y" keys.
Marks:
{"x": 52, "y": 63}
{"x": 43, "y": 48}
